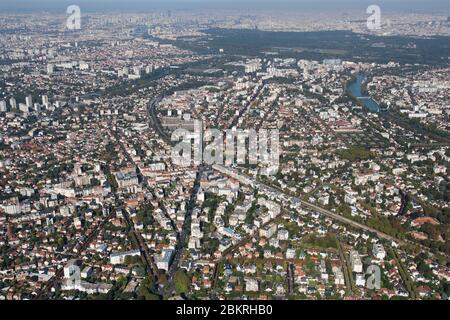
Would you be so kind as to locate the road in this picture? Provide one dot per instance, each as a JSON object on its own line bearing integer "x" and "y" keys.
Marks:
{"x": 151, "y": 109}
{"x": 283, "y": 197}
{"x": 149, "y": 262}
{"x": 183, "y": 235}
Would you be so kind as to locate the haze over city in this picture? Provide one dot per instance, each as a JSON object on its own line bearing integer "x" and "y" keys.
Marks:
{"x": 308, "y": 5}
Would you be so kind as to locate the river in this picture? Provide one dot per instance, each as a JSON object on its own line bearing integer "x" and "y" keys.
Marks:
{"x": 355, "y": 89}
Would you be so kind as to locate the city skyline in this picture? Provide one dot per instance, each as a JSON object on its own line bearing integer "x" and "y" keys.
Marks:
{"x": 256, "y": 5}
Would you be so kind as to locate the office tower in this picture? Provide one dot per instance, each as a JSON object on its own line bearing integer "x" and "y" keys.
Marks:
{"x": 149, "y": 69}
{"x": 3, "y": 106}
{"x": 37, "y": 107}
{"x": 45, "y": 101}
{"x": 51, "y": 53}
{"x": 29, "y": 101}
{"x": 13, "y": 103}
{"x": 50, "y": 68}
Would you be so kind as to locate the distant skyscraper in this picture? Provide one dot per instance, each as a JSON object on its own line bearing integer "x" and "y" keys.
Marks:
{"x": 3, "y": 106}
{"x": 29, "y": 101}
{"x": 50, "y": 68}
{"x": 45, "y": 101}
{"x": 13, "y": 103}
{"x": 37, "y": 107}
{"x": 149, "y": 69}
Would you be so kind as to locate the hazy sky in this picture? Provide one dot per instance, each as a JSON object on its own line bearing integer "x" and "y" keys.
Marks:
{"x": 133, "y": 5}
